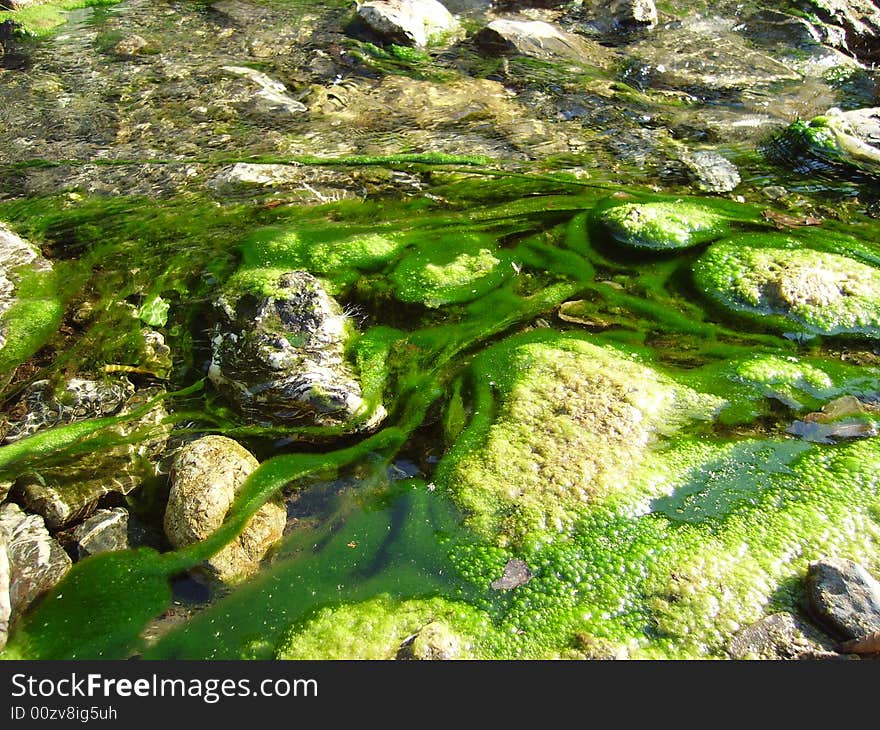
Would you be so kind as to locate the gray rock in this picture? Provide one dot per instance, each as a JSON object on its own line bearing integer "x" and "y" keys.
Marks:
{"x": 36, "y": 561}
{"x": 109, "y": 530}
{"x": 408, "y": 22}
{"x": 710, "y": 171}
{"x": 280, "y": 358}
{"x": 859, "y": 20}
{"x": 780, "y": 636}
{"x": 270, "y": 96}
{"x": 844, "y": 597}
{"x": 70, "y": 491}
{"x": 629, "y": 14}
{"x": 77, "y": 400}
{"x": 534, "y": 38}
{"x": 206, "y": 476}
{"x": 5, "y": 604}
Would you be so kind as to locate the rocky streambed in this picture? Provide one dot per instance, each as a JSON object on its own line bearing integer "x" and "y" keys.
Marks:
{"x": 430, "y": 330}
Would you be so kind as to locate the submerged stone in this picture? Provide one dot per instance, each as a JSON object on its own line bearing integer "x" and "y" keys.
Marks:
{"x": 30, "y": 310}
{"x": 451, "y": 270}
{"x": 408, "y": 22}
{"x": 537, "y": 39}
{"x": 65, "y": 493}
{"x": 108, "y": 530}
{"x": 710, "y": 171}
{"x": 812, "y": 291}
{"x": 661, "y": 226}
{"x": 36, "y": 561}
{"x": 836, "y": 138}
{"x": 206, "y": 476}
{"x": 279, "y": 352}
{"x": 5, "y": 604}
{"x": 572, "y": 420}
{"x": 844, "y": 596}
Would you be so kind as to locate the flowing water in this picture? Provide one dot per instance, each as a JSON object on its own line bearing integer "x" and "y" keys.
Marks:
{"x": 586, "y": 407}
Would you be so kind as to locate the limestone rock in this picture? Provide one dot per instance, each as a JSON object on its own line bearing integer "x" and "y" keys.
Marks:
{"x": 844, "y": 596}
{"x": 408, "y": 22}
{"x": 205, "y": 478}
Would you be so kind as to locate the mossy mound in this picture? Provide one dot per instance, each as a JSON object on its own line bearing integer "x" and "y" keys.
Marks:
{"x": 332, "y": 254}
{"x": 385, "y": 628}
{"x": 451, "y": 270}
{"x": 808, "y": 291}
{"x": 571, "y": 419}
{"x": 661, "y": 226}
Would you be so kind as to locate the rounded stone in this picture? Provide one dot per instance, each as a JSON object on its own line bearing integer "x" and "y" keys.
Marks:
{"x": 206, "y": 476}
{"x": 661, "y": 226}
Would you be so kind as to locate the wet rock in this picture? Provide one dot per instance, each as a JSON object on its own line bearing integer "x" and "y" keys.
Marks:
{"x": 77, "y": 400}
{"x": 836, "y": 139}
{"x": 705, "y": 57}
{"x": 812, "y": 292}
{"x": 780, "y": 636}
{"x": 249, "y": 175}
{"x": 661, "y": 225}
{"x": 434, "y": 642}
{"x": 36, "y": 561}
{"x": 859, "y": 20}
{"x": 844, "y": 596}
{"x": 131, "y": 46}
{"x": 29, "y": 315}
{"x": 408, "y": 22}
{"x": 710, "y": 171}
{"x": 206, "y": 476}
{"x": 533, "y": 38}
{"x": 629, "y": 14}
{"x": 516, "y": 573}
{"x": 66, "y": 493}
{"x": 278, "y": 352}
{"x": 271, "y": 96}
{"x": 109, "y": 530}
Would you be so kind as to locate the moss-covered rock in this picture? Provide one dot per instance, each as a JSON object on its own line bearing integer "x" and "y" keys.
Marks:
{"x": 661, "y": 226}
{"x": 453, "y": 269}
{"x": 810, "y": 291}
{"x": 571, "y": 420}
{"x": 387, "y": 628}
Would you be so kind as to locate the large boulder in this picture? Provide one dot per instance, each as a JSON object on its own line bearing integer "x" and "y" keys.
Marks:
{"x": 859, "y": 21}
{"x": 127, "y": 457}
{"x": 279, "y": 352}
{"x": 571, "y": 421}
{"x": 791, "y": 287}
{"x": 206, "y": 476}
{"x": 34, "y": 562}
{"x": 408, "y": 22}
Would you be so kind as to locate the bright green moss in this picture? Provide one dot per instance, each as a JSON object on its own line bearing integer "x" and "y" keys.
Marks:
{"x": 571, "y": 419}
{"x": 327, "y": 252}
{"x": 814, "y": 291}
{"x": 453, "y": 269}
{"x": 662, "y": 226}
{"x": 380, "y": 628}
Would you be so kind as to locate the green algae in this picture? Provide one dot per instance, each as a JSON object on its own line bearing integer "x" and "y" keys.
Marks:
{"x": 804, "y": 290}
{"x": 661, "y": 226}
{"x": 641, "y": 566}
{"x": 451, "y": 270}
{"x": 43, "y": 18}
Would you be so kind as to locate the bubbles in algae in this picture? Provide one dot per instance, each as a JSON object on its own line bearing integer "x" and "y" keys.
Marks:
{"x": 640, "y": 469}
